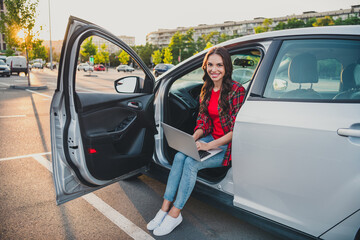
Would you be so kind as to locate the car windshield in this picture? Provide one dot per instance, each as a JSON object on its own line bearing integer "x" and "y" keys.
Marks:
{"x": 2, "y": 62}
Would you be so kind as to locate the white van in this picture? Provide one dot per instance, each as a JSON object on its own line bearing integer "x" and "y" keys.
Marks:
{"x": 17, "y": 64}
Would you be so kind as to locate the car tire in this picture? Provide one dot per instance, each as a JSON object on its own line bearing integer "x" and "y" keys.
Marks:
{"x": 156, "y": 74}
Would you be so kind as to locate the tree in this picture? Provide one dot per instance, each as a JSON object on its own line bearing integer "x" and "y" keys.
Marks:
{"x": 189, "y": 46}
{"x": 38, "y": 50}
{"x": 102, "y": 56}
{"x": 325, "y": 21}
{"x": 145, "y": 52}
{"x": 156, "y": 57}
{"x": 88, "y": 49}
{"x": 168, "y": 58}
{"x": 208, "y": 45}
{"x": 264, "y": 27}
{"x": 19, "y": 18}
{"x": 176, "y": 45}
{"x": 124, "y": 57}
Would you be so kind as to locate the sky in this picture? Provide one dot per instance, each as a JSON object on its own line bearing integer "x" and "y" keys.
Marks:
{"x": 139, "y": 17}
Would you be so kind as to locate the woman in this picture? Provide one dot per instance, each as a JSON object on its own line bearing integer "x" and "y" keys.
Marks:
{"x": 220, "y": 101}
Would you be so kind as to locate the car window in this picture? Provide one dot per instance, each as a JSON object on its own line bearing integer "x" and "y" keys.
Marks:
{"x": 95, "y": 50}
{"x": 315, "y": 69}
{"x": 244, "y": 66}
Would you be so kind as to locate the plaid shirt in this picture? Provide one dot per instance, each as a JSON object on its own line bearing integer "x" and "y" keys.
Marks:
{"x": 204, "y": 122}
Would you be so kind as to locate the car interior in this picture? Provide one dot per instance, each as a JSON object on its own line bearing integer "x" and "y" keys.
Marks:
{"x": 316, "y": 70}
{"x": 183, "y": 102}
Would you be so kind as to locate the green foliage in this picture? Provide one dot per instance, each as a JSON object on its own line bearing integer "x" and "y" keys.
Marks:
{"x": 176, "y": 44}
{"x": 124, "y": 57}
{"x": 208, "y": 45}
{"x": 310, "y": 22}
{"x": 325, "y": 21}
{"x": 156, "y": 57}
{"x": 145, "y": 52}
{"x": 38, "y": 50}
{"x": 87, "y": 49}
{"x": 102, "y": 56}
{"x": 20, "y": 15}
{"x": 9, "y": 52}
{"x": 265, "y": 26}
{"x": 168, "y": 58}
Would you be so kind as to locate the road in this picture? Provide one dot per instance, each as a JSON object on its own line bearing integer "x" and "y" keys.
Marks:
{"x": 119, "y": 211}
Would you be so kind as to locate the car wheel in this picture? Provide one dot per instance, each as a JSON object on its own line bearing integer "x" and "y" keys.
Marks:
{"x": 156, "y": 74}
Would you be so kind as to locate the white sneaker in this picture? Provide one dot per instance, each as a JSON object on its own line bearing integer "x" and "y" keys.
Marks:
{"x": 168, "y": 224}
{"x": 157, "y": 220}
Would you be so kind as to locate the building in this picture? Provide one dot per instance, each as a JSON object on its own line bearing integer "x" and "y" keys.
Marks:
{"x": 2, "y": 35}
{"x": 111, "y": 48}
{"x": 162, "y": 37}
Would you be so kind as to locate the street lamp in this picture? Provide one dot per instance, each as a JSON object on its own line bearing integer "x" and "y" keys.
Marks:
{"x": 51, "y": 60}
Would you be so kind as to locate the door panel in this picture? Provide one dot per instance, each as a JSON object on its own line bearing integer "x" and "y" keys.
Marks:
{"x": 113, "y": 135}
{"x": 291, "y": 162}
{"x": 98, "y": 136}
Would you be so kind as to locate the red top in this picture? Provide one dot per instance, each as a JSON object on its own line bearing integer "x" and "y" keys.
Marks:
{"x": 235, "y": 98}
{"x": 214, "y": 115}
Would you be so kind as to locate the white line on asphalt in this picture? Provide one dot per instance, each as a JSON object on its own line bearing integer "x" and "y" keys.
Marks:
{"x": 12, "y": 116}
{"x": 25, "y": 156}
{"x": 44, "y": 95}
{"x": 114, "y": 216}
{"x": 5, "y": 84}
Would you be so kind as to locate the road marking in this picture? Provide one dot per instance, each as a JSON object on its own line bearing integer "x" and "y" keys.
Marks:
{"x": 5, "y": 84}
{"x": 114, "y": 216}
{"x": 12, "y": 116}
{"x": 25, "y": 156}
{"x": 44, "y": 95}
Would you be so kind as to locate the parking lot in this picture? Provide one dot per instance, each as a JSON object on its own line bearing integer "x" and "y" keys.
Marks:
{"x": 119, "y": 211}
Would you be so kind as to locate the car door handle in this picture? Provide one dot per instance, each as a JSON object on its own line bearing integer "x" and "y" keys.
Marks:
{"x": 136, "y": 105}
{"x": 348, "y": 132}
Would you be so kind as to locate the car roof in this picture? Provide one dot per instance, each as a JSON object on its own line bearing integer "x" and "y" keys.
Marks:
{"x": 328, "y": 30}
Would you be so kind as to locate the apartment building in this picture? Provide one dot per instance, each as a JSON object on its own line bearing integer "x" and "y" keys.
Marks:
{"x": 2, "y": 36}
{"x": 162, "y": 37}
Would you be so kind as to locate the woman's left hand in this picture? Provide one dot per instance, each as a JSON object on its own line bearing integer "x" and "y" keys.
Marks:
{"x": 202, "y": 146}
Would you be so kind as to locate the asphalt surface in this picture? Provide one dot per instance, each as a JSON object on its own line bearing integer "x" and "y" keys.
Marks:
{"x": 27, "y": 198}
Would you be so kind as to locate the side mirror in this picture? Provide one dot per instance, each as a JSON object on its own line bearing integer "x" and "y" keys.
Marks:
{"x": 128, "y": 84}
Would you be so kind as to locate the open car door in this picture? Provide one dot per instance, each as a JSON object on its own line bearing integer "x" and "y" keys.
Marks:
{"x": 99, "y": 133}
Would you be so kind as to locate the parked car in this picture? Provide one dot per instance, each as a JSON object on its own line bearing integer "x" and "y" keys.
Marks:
{"x": 99, "y": 67}
{"x": 296, "y": 141}
{"x": 124, "y": 68}
{"x": 48, "y": 65}
{"x": 37, "y": 65}
{"x": 17, "y": 64}
{"x": 161, "y": 68}
{"x": 3, "y": 58}
{"x": 85, "y": 67}
{"x": 4, "y": 69}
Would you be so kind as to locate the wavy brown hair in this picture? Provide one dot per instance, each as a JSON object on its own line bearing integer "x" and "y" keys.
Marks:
{"x": 209, "y": 84}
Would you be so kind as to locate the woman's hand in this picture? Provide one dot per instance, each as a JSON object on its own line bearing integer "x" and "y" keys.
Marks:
{"x": 203, "y": 146}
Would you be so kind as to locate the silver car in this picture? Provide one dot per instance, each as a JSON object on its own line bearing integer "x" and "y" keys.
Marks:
{"x": 296, "y": 142}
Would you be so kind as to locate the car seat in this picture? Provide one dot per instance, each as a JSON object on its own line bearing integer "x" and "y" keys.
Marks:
{"x": 348, "y": 88}
{"x": 303, "y": 69}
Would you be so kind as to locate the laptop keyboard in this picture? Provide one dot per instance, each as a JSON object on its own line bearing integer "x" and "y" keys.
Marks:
{"x": 203, "y": 153}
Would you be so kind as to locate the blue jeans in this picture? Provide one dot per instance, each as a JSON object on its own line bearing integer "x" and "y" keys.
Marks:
{"x": 182, "y": 177}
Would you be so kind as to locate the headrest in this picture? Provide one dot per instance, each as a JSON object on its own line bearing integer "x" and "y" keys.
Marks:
{"x": 303, "y": 69}
{"x": 347, "y": 78}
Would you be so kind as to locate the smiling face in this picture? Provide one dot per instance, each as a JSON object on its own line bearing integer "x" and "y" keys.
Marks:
{"x": 216, "y": 69}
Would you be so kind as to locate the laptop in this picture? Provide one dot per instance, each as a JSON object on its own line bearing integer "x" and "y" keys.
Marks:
{"x": 185, "y": 143}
